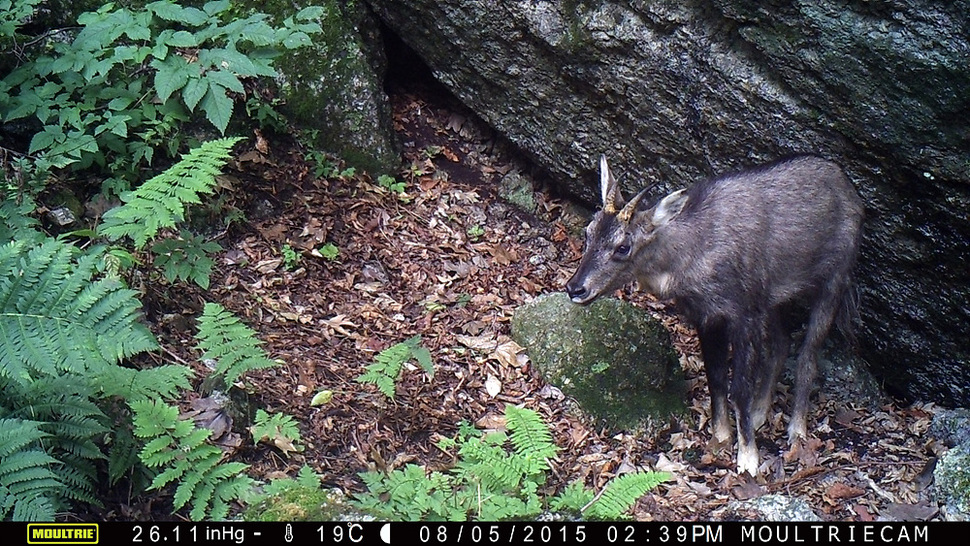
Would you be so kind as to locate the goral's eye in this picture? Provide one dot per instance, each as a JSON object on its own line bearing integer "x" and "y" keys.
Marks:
{"x": 623, "y": 250}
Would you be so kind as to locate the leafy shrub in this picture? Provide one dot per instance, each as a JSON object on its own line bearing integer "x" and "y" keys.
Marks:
{"x": 291, "y": 258}
{"x": 129, "y": 78}
{"x": 111, "y": 92}
{"x": 498, "y": 476}
{"x": 186, "y": 258}
{"x": 390, "y": 183}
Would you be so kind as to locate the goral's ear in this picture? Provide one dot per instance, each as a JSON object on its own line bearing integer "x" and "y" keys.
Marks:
{"x": 612, "y": 201}
{"x": 669, "y": 207}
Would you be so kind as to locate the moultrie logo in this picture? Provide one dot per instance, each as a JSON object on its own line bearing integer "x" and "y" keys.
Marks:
{"x": 62, "y": 533}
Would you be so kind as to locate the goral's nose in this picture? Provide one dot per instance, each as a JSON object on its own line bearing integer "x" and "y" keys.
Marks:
{"x": 577, "y": 293}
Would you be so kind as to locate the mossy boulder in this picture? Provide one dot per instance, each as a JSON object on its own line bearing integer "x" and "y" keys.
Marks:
{"x": 952, "y": 476}
{"x": 615, "y": 360}
{"x": 335, "y": 87}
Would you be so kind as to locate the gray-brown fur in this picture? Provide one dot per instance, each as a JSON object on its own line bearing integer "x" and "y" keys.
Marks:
{"x": 736, "y": 253}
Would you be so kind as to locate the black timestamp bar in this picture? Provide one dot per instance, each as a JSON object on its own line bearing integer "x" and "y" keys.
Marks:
{"x": 485, "y": 533}
{"x": 621, "y": 533}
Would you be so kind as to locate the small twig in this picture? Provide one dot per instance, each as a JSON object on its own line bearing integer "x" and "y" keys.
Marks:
{"x": 179, "y": 359}
{"x": 776, "y": 486}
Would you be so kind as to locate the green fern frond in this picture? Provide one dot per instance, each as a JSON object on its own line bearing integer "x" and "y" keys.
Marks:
{"x": 123, "y": 456}
{"x": 530, "y": 436}
{"x": 277, "y": 429}
{"x": 16, "y": 222}
{"x": 573, "y": 498}
{"x": 55, "y": 320}
{"x": 27, "y": 507}
{"x": 158, "y": 382}
{"x": 622, "y": 492}
{"x": 183, "y": 452}
{"x": 160, "y": 202}
{"x": 29, "y": 485}
{"x": 233, "y": 345}
{"x": 384, "y": 371}
{"x": 16, "y": 434}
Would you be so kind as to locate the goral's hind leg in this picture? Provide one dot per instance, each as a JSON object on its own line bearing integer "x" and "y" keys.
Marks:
{"x": 819, "y": 321}
{"x": 776, "y": 345}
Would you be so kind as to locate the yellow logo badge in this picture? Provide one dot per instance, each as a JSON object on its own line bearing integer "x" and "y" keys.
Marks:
{"x": 62, "y": 533}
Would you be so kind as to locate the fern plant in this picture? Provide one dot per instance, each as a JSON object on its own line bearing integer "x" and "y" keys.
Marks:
{"x": 160, "y": 202}
{"x": 233, "y": 345}
{"x": 29, "y": 485}
{"x": 277, "y": 429}
{"x": 179, "y": 449}
{"x": 498, "y": 476}
{"x": 386, "y": 368}
{"x": 63, "y": 335}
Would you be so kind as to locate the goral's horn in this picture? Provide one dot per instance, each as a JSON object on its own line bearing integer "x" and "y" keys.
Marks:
{"x": 631, "y": 207}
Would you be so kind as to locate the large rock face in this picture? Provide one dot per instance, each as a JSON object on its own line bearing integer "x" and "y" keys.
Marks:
{"x": 675, "y": 91}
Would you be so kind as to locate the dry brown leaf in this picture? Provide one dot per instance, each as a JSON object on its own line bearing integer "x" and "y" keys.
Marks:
{"x": 507, "y": 354}
{"x": 846, "y": 417}
{"x": 839, "y": 491}
{"x": 493, "y": 386}
{"x": 268, "y": 266}
{"x": 747, "y": 489}
{"x": 484, "y": 342}
{"x": 491, "y": 421}
{"x": 338, "y": 324}
{"x": 502, "y": 254}
{"x": 863, "y": 512}
{"x": 261, "y": 144}
{"x": 805, "y": 451}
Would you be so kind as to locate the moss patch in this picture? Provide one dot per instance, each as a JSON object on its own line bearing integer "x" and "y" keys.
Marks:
{"x": 614, "y": 359}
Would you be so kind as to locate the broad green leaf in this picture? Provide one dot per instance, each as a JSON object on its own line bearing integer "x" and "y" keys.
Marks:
{"x": 120, "y": 103}
{"x": 178, "y": 14}
{"x": 214, "y": 8}
{"x": 312, "y": 12}
{"x": 321, "y": 398}
{"x": 225, "y": 79}
{"x": 166, "y": 10}
{"x": 182, "y": 38}
{"x": 297, "y": 40}
{"x": 193, "y": 91}
{"x": 234, "y": 61}
{"x": 172, "y": 75}
{"x": 44, "y": 139}
{"x": 217, "y": 107}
